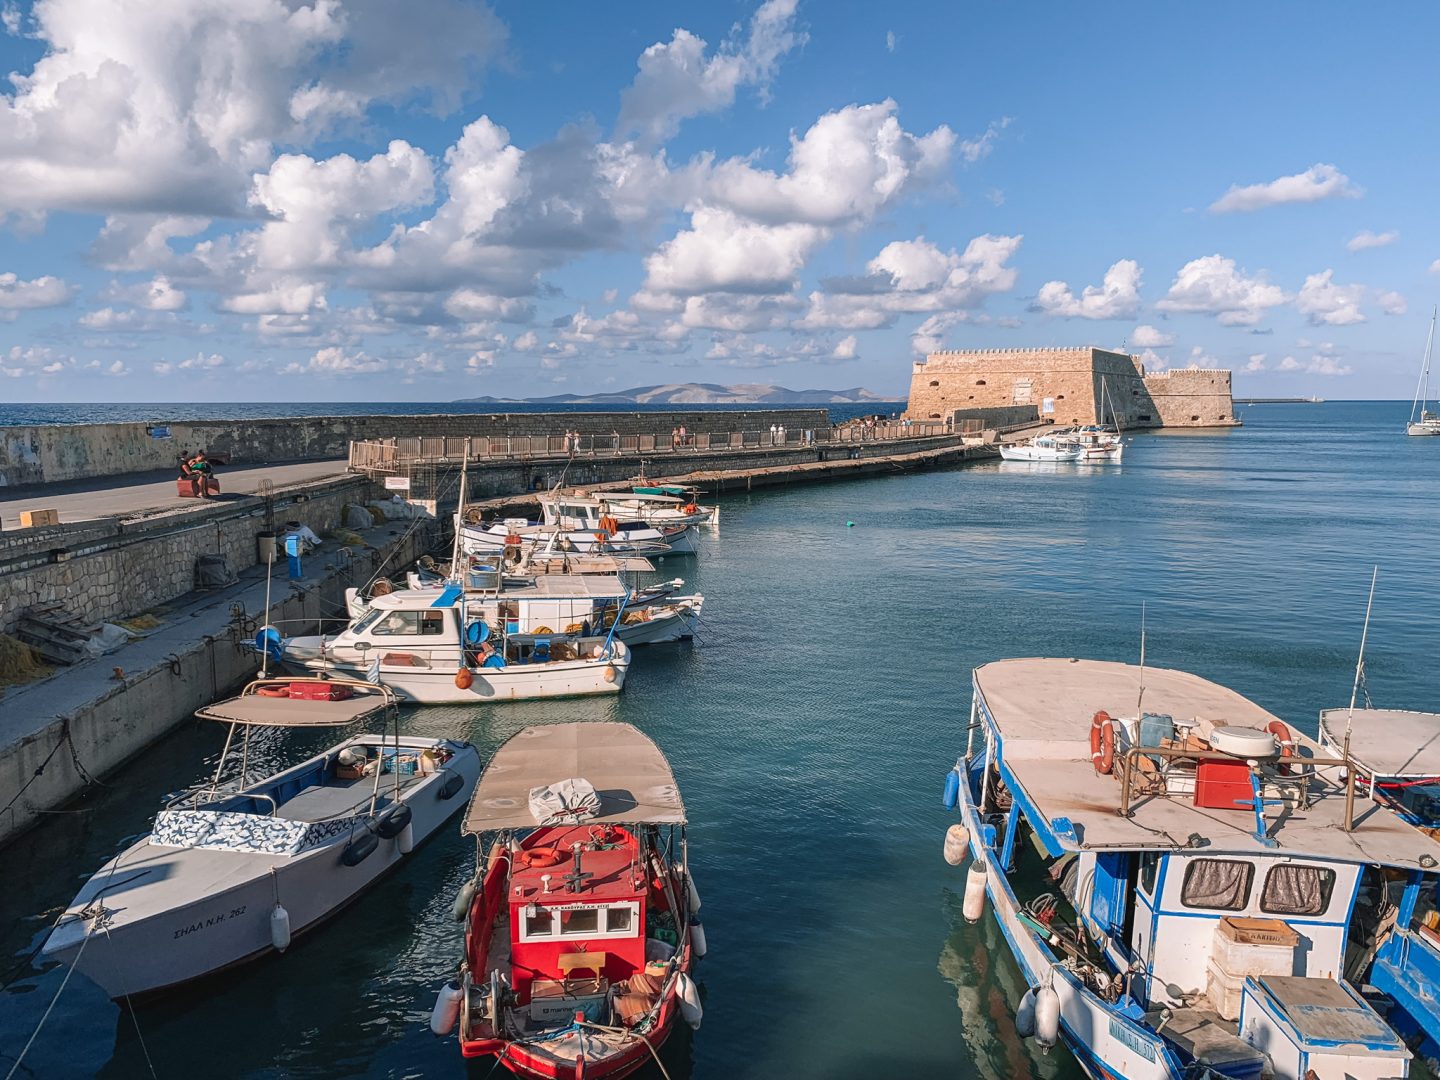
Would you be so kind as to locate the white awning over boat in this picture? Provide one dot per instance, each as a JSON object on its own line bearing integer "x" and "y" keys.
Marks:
{"x": 1043, "y": 707}
{"x": 259, "y": 710}
{"x": 1388, "y": 742}
{"x": 628, "y": 771}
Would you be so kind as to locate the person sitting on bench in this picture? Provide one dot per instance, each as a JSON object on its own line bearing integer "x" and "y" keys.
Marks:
{"x": 197, "y": 469}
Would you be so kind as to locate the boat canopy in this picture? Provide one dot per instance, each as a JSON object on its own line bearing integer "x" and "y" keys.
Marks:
{"x": 1388, "y": 742}
{"x": 1042, "y": 709}
{"x": 627, "y": 770}
{"x": 258, "y": 710}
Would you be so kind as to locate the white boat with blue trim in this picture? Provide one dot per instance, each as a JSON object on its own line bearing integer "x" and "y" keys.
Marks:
{"x": 1219, "y": 880}
{"x": 233, "y": 870}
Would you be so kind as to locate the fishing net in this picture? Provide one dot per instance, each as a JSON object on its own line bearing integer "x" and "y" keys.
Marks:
{"x": 19, "y": 663}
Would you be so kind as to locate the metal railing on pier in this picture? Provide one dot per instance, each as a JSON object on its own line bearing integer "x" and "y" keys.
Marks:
{"x": 387, "y": 454}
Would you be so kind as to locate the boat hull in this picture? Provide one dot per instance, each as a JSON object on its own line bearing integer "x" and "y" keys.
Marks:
{"x": 1423, "y": 429}
{"x": 144, "y": 952}
{"x": 670, "y": 624}
{"x": 1039, "y": 453}
{"x": 516, "y": 682}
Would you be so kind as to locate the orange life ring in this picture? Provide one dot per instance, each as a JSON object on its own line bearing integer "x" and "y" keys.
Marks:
{"x": 1102, "y": 743}
{"x": 273, "y": 691}
{"x": 1286, "y": 740}
{"x": 539, "y": 856}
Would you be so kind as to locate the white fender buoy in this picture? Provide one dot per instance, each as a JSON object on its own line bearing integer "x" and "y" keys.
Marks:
{"x": 279, "y": 928}
{"x": 1047, "y": 1017}
{"x": 447, "y": 1009}
{"x": 973, "y": 905}
{"x": 689, "y": 995}
{"x": 463, "y": 899}
{"x": 697, "y": 940}
{"x": 693, "y": 891}
{"x": 957, "y": 844}
{"x": 1025, "y": 1015}
{"x": 405, "y": 842}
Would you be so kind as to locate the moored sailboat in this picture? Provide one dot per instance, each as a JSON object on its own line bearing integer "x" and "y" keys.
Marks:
{"x": 1422, "y": 420}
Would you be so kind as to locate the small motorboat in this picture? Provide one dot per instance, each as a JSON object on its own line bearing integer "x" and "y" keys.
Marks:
{"x": 581, "y": 922}
{"x": 1051, "y": 447}
{"x": 233, "y": 870}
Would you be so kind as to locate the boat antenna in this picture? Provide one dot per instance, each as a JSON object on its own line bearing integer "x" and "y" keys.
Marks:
{"x": 1141, "y": 695}
{"x": 460, "y": 511}
{"x": 1350, "y": 718}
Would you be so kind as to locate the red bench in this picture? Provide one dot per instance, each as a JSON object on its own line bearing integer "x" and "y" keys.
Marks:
{"x": 185, "y": 487}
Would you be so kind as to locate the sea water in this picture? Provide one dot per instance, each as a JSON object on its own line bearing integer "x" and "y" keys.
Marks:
{"x": 810, "y": 726}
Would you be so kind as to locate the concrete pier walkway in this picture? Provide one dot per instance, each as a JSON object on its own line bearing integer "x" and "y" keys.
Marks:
{"x": 136, "y": 493}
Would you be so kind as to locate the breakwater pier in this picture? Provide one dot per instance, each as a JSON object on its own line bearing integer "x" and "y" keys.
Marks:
{"x": 121, "y": 545}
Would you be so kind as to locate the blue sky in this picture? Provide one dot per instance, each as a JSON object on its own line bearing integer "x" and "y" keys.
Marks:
{"x": 248, "y": 199}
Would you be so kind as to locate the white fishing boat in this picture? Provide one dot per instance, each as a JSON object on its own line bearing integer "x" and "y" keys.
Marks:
{"x": 1102, "y": 445}
{"x": 1214, "y": 875}
{"x": 458, "y": 646}
{"x": 1422, "y": 420}
{"x": 624, "y": 517}
{"x": 519, "y": 534}
{"x": 1048, "y": 447}
{"x": 658, "y": 505}
{"x": 234, "y": 870}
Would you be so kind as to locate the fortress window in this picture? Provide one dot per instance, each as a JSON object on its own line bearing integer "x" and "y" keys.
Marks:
{"x": 1059, "y": 397}
{"x": 934, "y": 416}
{"x": 1145, "y": 416}
{"x": 1194, "y": 417}
{"x": 934, "y": 382}
{"x": 979, "y": 382}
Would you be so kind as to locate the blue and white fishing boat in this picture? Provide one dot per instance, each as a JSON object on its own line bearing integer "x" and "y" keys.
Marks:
{"x": 1189, "y": 887}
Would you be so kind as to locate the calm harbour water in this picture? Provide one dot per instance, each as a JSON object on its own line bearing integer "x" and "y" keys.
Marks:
{"x": 810, "y": 728}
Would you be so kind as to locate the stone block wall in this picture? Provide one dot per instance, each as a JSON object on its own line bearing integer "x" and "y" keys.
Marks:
{"x": 56, "y": 452}
{"x": 1192, "y": 397}
{"x": 1080, "y": 386}
{"x": 104, "y": 571}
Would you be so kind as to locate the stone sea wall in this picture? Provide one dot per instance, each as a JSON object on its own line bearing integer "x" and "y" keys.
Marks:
{"x": 58, "y": 452}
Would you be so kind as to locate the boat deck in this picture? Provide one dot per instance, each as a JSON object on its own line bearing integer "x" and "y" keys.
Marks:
{"x": 336, "y": 798}
{"x": 1042, "y": 709}
{"x": 1388, "y": 742}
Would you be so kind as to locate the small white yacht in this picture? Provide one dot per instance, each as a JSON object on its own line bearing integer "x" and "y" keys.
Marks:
{"x": 613, "y": 538}
{"x": 556, "y": 636}
{"x": 1102, "y": 444}
{"x": 233, "y": 870}
{"x": 1049, "y": 447}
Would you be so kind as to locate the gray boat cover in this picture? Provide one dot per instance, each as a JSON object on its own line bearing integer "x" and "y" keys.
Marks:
{"x": 631, "y": 779}
{"x": 564, "y": 802}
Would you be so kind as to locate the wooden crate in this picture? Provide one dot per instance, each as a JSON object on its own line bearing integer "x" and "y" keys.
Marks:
{"x": 32, "y": 519}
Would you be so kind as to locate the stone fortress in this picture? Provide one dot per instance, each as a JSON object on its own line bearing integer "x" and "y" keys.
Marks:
{"x": 1067, "y": 386}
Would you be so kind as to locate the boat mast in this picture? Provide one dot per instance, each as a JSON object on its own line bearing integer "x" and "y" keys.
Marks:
{"x": 1422, "y": 391}
{"x": 1140, "y": 697}
{"x": 1350, "y": 718}
{"x": 460, "y": 512}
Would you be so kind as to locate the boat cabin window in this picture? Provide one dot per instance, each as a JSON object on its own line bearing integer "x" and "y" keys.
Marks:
{"x": 606, "y": 920}
{"x": 368, "y": 621}
{"x": 1149, "y": 867}
{"x": 1217, "y": 883}
{"x": 1297, "y": 890}
{"x": 408, "y": 623}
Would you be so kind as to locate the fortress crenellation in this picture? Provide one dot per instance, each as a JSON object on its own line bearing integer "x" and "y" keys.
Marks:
{"x": 1070, "y": 385}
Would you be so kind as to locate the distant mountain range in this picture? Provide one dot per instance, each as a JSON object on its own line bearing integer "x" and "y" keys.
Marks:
{"x": 702, "y": 394}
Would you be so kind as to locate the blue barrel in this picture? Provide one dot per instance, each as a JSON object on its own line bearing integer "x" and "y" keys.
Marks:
{"x": 951, "y": 798}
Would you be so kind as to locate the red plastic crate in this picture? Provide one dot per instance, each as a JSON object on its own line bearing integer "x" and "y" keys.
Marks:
{"x": 1219, "y": 785}
{"x": 319, "y": 692}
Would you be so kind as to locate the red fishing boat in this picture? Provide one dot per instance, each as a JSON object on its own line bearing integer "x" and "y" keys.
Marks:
{"x": 581, "y": 927}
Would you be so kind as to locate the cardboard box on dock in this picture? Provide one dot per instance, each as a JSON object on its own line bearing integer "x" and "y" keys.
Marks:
{"x": 33, "y": 519}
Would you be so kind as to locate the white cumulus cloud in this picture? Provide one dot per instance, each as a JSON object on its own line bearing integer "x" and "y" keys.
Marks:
{"x": 677, "y": 80}
{"x": 972, "y": 150}
{"x": 41, "y": 292}
{"x": 1212, "y": 285}
{"x": 1315, "y": 183}
{"x": 1326, "y": 304}
{"x": 1365, "y": 239}
{"x": 1145, "y": 336}
{"x": 1117, "y": 298}
{"x": 1392, "y": 303}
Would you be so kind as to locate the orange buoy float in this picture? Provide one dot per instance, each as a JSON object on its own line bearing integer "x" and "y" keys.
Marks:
{"x": 464, "y": 679}
{"x": 1286, "y": 740}
{"x": 691, "y": 508}
{"x": 539, "y": 856}
{"x": 1102, "y": 743}
{"x": 512, "y": 540}
{"x": 273, "y": 691}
